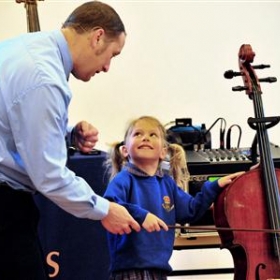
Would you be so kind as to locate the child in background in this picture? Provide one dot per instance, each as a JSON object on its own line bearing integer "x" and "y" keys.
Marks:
{"x": 153, "y": 198}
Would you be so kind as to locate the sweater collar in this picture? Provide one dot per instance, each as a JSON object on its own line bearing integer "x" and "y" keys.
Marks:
{"x": 133, "y": 169}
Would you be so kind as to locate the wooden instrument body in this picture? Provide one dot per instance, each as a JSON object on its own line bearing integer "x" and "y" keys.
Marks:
{"x": 252, "y": 200}
{"x": 243, "y": 205}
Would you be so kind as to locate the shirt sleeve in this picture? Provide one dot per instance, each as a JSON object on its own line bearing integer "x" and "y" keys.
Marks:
{"x": 39, "y": 125}
{"x": 69, "y": 136}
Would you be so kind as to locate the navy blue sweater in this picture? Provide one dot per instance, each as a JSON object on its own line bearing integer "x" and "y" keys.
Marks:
{"x": 140, "y": 194}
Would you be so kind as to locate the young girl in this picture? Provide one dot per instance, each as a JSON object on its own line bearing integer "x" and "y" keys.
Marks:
{"x": 153, "y": 199}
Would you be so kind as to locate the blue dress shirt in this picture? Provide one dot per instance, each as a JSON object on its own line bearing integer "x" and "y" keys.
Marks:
{"x": 34, "y": 99}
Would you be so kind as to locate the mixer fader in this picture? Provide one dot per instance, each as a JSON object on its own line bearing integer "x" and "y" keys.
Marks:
{"x": 225, "y": 155}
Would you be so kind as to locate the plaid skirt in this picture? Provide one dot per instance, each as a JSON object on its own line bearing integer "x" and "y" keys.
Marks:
{"x": 139, "y": 274}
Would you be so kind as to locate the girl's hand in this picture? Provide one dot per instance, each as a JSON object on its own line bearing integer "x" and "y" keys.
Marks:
{"x": 153, "y": 223}
{"x": 224, "y": 181}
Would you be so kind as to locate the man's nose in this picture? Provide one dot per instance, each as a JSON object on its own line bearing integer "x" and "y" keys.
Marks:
{"x": 106, "y": 67}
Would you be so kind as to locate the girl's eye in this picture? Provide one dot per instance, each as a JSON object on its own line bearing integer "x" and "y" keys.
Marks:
{"x": 137, "y": 134}
{"x": 153, "y": 134}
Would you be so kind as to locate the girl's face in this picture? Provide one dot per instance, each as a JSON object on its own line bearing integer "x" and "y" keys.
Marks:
{"x": 145, "y": 143}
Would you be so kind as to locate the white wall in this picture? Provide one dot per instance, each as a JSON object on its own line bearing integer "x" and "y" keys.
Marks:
{"x": 173, "y": 63}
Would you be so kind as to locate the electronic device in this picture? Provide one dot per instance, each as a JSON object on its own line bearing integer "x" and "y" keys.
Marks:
{"x": 189, "y": 136}
{"x": 211, "y": 164}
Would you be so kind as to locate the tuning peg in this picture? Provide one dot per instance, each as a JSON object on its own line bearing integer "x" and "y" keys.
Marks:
{"x": 268, "y": 80}
{"x": 239, "y": 88}
{"x": 261, "y": 66}
{"x": 230, "y": 74}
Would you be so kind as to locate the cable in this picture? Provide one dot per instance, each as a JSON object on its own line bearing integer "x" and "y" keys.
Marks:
{"x": 228, "y": 137}
{"x": 222, "y": 133}
{"x": 222, "y": 130}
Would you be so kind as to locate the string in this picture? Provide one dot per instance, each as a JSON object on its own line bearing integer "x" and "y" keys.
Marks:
{"x": 269, "y": 175}
{"x": 194, "y": 228}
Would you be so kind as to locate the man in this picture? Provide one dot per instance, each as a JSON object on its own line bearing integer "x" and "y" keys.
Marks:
{"x": 34, "y": 98}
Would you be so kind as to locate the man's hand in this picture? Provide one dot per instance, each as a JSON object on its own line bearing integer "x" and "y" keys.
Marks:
{"x": 153, "y": 223}
{"x": 119, "y": 221}
{"x": 85, "y": 136}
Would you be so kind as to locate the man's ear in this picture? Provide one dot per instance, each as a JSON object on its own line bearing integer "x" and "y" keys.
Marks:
{"x": 97, "y": 35}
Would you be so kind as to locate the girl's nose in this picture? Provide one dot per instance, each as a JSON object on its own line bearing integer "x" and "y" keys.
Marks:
{"x": 146, "y": 137}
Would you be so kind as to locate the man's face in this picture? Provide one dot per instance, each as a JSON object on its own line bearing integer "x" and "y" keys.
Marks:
{"x": 97, "y": 57}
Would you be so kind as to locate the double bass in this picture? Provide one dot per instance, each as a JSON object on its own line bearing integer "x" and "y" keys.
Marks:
{"x": 32, "y": 16}
{"x": 252, "y": 201}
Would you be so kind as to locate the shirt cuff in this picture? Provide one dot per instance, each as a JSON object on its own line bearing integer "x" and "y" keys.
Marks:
{"x": 69, "y": 136}
{"x": 101, "y": 207}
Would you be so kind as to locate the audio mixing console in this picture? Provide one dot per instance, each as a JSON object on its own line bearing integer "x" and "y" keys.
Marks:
{"x": 211, "y": 164}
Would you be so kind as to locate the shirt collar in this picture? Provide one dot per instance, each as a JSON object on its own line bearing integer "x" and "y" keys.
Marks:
{"x": 133, "y": 169}
{"x": 64, "y": 52}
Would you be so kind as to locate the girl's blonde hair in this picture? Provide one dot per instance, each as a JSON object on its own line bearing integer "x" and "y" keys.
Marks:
{"x": 177, "y": 157}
